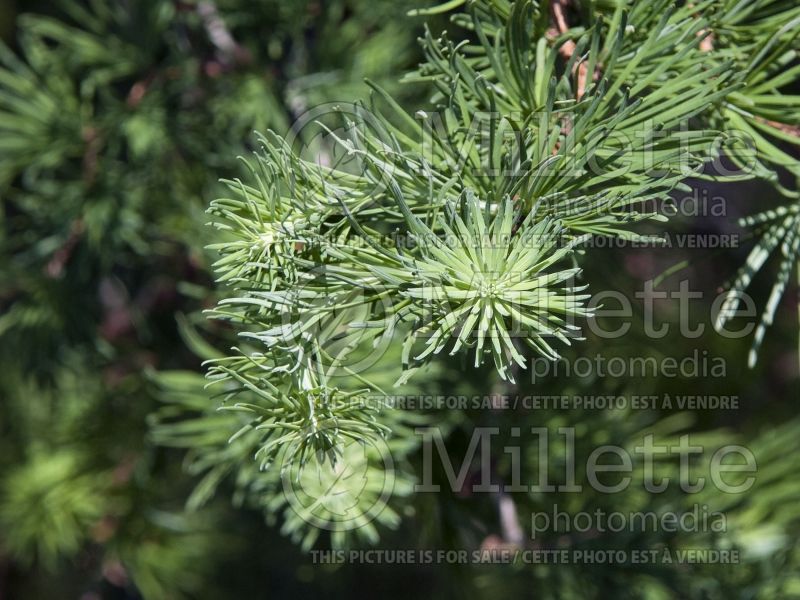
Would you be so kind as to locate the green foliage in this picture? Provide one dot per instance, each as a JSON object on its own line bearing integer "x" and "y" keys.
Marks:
{"x": 757, "y": 42}
{"x": 222, "y": 445}
{"x": 374, "y": 244}
{"x": 50, "y": 505}
{"x": 443, "y": 238}
{"x": 489, "y": 281}
{"x": 116, "y": 121}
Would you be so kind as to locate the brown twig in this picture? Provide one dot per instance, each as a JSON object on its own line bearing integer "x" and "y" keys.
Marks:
{"x": 139, "y": 90}
{"x": 567, "y": 49}
{"x": 707, "y": 43}
{"x": 55, "y": 267}
{"x": 788, "y": 129}
{"x": 94, "y": 142}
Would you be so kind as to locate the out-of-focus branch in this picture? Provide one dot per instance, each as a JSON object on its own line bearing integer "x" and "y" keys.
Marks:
{"x": 55, "y": 266}
{"x": 230, "y": 52}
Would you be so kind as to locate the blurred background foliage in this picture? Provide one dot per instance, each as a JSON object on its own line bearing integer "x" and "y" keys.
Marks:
{"x": 117, "y": 120}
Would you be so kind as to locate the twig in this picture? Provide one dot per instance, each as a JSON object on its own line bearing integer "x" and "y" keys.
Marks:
{"x": 230, "y": 52}
{"x": 512, "y": 538}
{"x": 94, "y": 142}
{"x": 707, "y": 43}
{"x": 788, "y": 129}
{"x": 55, "y": 267}
{"x": 567, "y": 49}
{"x": 509, "y": 522}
